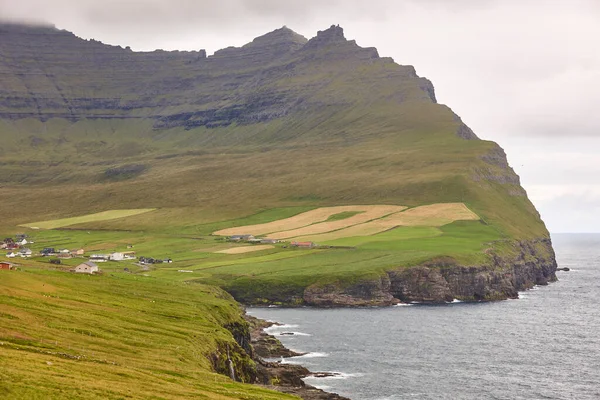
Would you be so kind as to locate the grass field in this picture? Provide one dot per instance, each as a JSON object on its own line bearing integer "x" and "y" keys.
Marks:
{"x": 114, "y": 336}
{"x": 245, "y": 249}
{"x": 255, "y": 273}
{"x": 357, "y": 221}
{"x": 101, "y": 216}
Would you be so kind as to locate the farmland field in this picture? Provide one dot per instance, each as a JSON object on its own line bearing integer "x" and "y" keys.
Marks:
{"x": 101, "y": 216}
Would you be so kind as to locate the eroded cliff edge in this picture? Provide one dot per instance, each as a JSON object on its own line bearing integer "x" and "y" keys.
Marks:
{"x": 526, "y": 264}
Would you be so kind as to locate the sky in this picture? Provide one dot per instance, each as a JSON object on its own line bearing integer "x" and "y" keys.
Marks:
{"x": 523, "y": 73}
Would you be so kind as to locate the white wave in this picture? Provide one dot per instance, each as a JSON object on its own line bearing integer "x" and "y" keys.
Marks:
{"x": 312, "y": 355}
{"x": 335, "y": 375}
{"x": 291, "y": 334}
{"x": 455, "y": 301}
{"x": 272, "y": 330}
{"x": 403, "y": 305}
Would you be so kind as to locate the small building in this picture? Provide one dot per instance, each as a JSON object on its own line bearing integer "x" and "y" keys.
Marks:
{"x": 12, "y": 254}
{"x": 269, "y": 241}
{"x": 129, "y": 255}
{"x": 116, "y": 256}
{"x": 64, "y": 251}
{"x": 48, "y": 251}
{"x": 254, "y": 240}
{"x": 64, "y": 256}
{"x": 87, "y": 267}
{"x": 20, "y": 236}
{"x": 21, "y": 242}
{"x": 78, "y": 252}
{"x": 25, "y": 252}
{"x": 306, "y": 245}
{"x": 240, "y": 238}
{"x": 6, "y": 265}
{"x": 99, "y": 258}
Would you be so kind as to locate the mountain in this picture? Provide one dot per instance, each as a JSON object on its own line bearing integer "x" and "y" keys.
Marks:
{"x": 280, "y": 123}
{"x": 380, "y": 195}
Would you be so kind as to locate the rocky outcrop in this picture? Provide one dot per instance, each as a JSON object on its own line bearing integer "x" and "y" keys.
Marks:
{"x": 443, "y": 280}
{"x": 49, "y": 73}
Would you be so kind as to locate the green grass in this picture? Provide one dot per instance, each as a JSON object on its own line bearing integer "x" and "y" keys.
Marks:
{"x": 114, "y": 336}
{"x": 101, "y": 216}
{"x": 342, "y": 215}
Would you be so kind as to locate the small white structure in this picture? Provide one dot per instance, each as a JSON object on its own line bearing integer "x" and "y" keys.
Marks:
{"x": 12, "y": 254}
{"x": 116, "y": 257}
{"x": 25, "y": 253}
{"x": 22, "y": 242}
{"x": 64, "y": 251}
{"x": 87, "y": 267}
{"x": 99, "y": 258}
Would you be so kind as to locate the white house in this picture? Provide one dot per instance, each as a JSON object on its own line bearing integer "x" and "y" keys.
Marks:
{"x": 87, "y": 267}
{"x": 25, "y": 252}
{"x": 116, "y": 256}
{"x": 12, "y": 254}
{"x": 99, "y": 257}
{"x": 22, "y": 242}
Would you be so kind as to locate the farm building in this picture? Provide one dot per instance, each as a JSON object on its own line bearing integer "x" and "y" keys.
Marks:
{"x": 116, "y": 256}
{"x": 269, "y": 241}
{"x": 307, "y": 245}
{"x": 78, "y": 252}
{"x": 99, "y": 257}
{"x": 12, "y": 254}
{"x": 25, "y": 252}
{"x": 239, "y": 238}
{"x": 48, "y": 251}
{"x": 21, "y": 242}
{"x": 87, "y": 267}
{"x": 7, "y": 265}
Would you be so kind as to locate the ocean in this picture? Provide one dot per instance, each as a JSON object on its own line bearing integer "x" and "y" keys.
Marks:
{"x": 545, "y": 345}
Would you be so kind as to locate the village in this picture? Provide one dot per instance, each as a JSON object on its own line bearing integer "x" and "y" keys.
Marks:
{"x": 18, "y": 247}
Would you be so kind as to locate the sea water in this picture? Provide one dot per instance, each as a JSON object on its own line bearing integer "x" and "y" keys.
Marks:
{"x": 545, "y": 345}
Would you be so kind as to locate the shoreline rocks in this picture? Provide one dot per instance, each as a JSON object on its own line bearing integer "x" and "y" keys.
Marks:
{"x": 285, "y": 378}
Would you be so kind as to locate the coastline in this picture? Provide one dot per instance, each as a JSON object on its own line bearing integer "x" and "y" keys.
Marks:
{"x": 285, "y": 378}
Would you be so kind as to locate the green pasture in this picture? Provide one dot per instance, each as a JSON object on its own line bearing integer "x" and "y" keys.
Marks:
{"x": 101, "y": 216}
{"x": 115, "y": 336}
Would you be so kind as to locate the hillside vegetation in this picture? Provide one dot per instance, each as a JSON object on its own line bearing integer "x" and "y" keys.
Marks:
{"x": 167, "y": 153}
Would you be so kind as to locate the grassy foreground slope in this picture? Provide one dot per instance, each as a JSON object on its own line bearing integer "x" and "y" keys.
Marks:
{"x": 117, "y": 336}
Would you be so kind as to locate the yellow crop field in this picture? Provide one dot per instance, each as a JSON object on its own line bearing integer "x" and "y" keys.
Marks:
{"x": 295, "y": 222}
{"x": 245, "y": 249}
{"x": 368, "y": 213}
{"x": 373, "y": 219}
{"x": 430, "y": 215}
{"x": 101, "y": 216}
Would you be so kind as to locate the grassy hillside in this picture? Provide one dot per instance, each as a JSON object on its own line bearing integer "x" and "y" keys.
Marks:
{"x": 116, "y": 336}
{"x": 104, "y": 148}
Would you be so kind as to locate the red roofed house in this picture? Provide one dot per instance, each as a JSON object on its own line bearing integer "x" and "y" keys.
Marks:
{"x": 6, "y": 265}
{"x": 308, "y": 245}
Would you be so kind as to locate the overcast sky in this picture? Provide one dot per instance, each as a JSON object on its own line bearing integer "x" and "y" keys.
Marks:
{"x": 524, "y": 73}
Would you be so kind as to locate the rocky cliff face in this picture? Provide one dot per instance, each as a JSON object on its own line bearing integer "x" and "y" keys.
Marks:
{"x": 48, "y": 73}
{"x": 441, "y": 281}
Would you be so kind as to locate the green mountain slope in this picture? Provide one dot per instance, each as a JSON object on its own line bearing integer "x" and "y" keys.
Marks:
{"x": 250, "y": 135}
{"x": 277, "y": 122}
